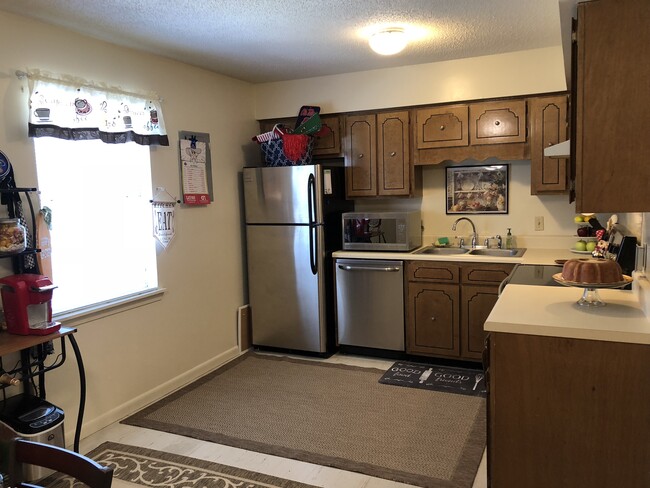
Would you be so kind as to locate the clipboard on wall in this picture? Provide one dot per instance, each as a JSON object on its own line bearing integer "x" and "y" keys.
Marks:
{"x": 195, "y": 167}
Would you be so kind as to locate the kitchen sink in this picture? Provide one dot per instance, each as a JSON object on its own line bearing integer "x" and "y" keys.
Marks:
{"x": 441, "y": 250}
{"x": 502, "y": 253}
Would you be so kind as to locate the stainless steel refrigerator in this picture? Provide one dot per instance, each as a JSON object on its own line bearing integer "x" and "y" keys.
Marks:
{"x": 293, "y": 224}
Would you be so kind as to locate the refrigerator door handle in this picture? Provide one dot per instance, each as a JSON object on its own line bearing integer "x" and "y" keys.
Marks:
{"x": 313, "y": 237}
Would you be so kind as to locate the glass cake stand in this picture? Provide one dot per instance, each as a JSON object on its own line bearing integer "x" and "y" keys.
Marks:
{"x": 590, "y": 296}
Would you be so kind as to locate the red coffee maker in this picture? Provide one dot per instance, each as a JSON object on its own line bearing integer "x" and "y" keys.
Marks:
{"x": 27, "y": 303}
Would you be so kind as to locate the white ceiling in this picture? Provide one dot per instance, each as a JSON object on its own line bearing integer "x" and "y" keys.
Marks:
{"x": 275, "y": 40}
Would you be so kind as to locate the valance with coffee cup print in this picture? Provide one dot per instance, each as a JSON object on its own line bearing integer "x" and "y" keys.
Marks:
{"x": 84, "y": 112}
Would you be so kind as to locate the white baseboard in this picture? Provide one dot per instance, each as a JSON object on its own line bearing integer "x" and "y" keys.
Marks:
{"x": 91, "y": 426}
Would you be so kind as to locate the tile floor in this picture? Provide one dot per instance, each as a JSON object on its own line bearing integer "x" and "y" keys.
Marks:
{"x": 283, "y": 468}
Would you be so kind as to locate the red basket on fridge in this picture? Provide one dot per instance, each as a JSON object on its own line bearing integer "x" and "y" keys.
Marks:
{"x": 288, "y": 150}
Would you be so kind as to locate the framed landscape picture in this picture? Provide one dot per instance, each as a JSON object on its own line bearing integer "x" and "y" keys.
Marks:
{"x": 477, "y": 189}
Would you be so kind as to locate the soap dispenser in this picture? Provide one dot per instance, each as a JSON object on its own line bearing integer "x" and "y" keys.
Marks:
{"x": 509, "y": 239}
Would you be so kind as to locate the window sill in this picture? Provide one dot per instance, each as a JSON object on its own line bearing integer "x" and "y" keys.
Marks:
{"x": 90, "y": 313}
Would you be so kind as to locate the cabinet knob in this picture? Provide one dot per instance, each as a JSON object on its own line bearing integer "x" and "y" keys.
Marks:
{"x": 433, "y": 319}
{"x": 442, "y": 127}
{"x": 497, "y": 122}
{"x": 360, "y": 156}
{"x": 393, "y": 153}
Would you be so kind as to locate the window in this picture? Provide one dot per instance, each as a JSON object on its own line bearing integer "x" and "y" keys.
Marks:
{"x": 102, "y": 242}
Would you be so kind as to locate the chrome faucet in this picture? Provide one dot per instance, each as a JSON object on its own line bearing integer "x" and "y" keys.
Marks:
{"x": 474, "y": 234}
{"x": 497, "y": 238}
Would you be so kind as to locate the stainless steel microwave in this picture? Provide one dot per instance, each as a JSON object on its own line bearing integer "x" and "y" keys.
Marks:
{"x": 382, "y": 231}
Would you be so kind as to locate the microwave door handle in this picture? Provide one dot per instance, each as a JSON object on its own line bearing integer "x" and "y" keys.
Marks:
{"x": 313, "y": 237}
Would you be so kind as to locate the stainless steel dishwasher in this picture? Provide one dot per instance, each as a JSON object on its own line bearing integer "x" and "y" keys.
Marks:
{"x": 370, "y": 303}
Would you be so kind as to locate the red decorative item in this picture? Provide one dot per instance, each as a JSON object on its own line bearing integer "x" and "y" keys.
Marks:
{"x": 295, "y": 146}
{"x": 600, "y": 233}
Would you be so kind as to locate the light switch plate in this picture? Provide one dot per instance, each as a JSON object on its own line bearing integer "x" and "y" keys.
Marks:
{"x": 539, "y": 222}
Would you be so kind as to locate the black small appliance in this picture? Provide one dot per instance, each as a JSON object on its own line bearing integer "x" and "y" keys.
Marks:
{"x": 625, "y": 251}
{"x": 34, "y": 419}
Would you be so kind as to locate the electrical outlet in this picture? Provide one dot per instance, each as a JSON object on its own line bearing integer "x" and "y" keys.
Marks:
{"x": 539, "y": 222}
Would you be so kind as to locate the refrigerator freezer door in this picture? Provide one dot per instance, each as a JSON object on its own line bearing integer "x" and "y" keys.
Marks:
{"x": 281, "y": 195}
{"x": 287, "y": 299}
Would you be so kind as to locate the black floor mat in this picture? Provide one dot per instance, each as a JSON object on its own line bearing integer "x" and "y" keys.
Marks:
{"x": 439, "y": 378}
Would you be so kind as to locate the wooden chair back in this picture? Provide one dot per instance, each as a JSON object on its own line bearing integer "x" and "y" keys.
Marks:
{"x": 19, "y": 452}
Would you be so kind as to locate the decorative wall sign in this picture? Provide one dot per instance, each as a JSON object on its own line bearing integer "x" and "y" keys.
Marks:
{"x": 196, "y": 174}
{"x": 477, "y": 189}
{"x": 164, "y": 224}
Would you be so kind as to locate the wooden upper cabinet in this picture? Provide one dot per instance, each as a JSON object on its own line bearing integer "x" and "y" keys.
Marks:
{"x": 267, "y": 125}
{"x": 329, "y": 144}
{"x": 377, "y": 155}
{"x": 445, "y": 126}
{"x": 481, "y": 130}
{"x": 548, "y": 126}
{"x": 393, "y": 153}
{"x": 498, "y": 122}
{"x": 612, "y": 100}
{"x": 360, "y": 155}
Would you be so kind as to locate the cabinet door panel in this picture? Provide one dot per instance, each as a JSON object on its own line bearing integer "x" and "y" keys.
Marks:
{"x": 486, "y": 273}
{"x": 360, "y": 155}
{"x": 612, "y": 147}
{"x": 433, "y": 271}
{"x": 498, "y": 122}
{"x": 393, "y": 163}
{"x": 476, "y": 304}
{"x": 433, "y": 320}
{"x": 329, "y": 144}
{"x": 548, "y": 126}
{"x": 442, "y": 127}
{"x": 568, "y": 412}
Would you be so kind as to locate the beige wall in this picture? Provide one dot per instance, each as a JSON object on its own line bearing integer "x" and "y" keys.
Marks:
{"x": 135, "y": 356}
{"x": 502, "y": 75}
{"x": 511, "y": 74}
{"x": 558, "y": 213}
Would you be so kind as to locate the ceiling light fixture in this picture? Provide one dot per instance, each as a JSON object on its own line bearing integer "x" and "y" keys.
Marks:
{"x": 388, "y": 41}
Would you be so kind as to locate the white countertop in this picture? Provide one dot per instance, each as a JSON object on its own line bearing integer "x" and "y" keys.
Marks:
{"x": 553, "y": 311}
{"x": 531, "y": 256}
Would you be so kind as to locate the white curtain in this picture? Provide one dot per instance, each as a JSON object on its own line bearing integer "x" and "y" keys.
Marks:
{"x": 81, "y": 113}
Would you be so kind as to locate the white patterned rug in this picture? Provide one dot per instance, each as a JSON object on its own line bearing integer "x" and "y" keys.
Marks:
{"x": 147, "y": 467}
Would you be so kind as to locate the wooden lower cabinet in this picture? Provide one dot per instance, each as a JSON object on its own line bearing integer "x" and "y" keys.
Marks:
{"x": 476, "y": 303}
{"x": 434, "y": 314}
{"x": 447, "y": 305}
{"x": 567, "y": 413}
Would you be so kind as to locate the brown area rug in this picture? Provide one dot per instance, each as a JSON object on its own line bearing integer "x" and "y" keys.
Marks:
{"x": 147, "y": 467}
{"x": 332, "y": 415}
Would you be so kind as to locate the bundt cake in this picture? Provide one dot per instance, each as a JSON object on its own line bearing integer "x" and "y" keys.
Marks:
{"x": 597, "y": 271}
